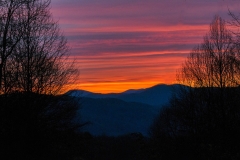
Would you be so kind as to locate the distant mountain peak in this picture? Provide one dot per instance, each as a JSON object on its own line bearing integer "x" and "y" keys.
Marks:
{"x": 131, "y": 91}
{"x": 78, "y": 93}
{"x": 115, "y": 114}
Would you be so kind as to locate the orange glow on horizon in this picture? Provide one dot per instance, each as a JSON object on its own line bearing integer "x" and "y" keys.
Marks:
{"x": 121, "y": 45}
{"x": 113, "y": 87}
{"x": 107, "y": 73}
{"x": 118, "y": 85}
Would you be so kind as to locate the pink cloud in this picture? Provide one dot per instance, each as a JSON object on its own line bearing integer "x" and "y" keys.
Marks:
{"x": 133, "y": 44}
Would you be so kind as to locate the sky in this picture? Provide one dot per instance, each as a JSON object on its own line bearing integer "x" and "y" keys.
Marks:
{"x": 131, "y": 44}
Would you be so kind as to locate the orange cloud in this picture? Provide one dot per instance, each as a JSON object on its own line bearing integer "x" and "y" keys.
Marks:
{"x": 118, "y": 45}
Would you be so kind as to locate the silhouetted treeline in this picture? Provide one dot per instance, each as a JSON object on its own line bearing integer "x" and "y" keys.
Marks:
{"x": 35, "y": 123}
{"x": 130, "y": 147}
{"x": 202, "y": 120}
{"x": 35, "y": 126}
{"x": 199, "y": 125}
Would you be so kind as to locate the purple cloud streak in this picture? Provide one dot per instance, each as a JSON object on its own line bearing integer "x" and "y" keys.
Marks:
{"x": 134, "y": 42}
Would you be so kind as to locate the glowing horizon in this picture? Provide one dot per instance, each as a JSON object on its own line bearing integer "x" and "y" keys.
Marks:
{"x": 121, "y": 45}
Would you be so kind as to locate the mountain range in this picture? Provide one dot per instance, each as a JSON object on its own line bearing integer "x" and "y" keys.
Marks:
{"x": 115, "y": 114}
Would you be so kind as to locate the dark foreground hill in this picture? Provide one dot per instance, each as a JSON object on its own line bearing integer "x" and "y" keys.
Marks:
{"x": 114, "y": 117}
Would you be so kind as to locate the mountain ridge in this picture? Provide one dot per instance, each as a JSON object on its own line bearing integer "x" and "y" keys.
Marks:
{"x": 115, "y": 114}
{"x": 126, "y": 91}
{"x": 155, "y": 95}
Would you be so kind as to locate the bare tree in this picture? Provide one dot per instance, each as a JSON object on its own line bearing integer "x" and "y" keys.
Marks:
{"x": 207, "y": 111}
{"x": 9, "y": 32}
{"x": 34, "y": 67}
{"x": 35, "y": 59}
{"x": 214, "y": 63}
{"x": 41, "y": 55}
{"x": 214, "y": 66}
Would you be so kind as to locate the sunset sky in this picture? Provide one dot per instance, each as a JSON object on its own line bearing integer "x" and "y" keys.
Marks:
{"x": 123, "y": 44}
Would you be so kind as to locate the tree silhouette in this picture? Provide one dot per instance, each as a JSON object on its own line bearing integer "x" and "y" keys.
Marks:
{"x": 10, "y": 22}
{"x": 37, "y": 61}
{"x": 204, "y": 115}
{"x": 36, "y": 122}
{"x": 214, "y": 63}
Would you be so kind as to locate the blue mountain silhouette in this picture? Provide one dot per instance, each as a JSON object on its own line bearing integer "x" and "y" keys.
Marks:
{"x": 117, "y": 114}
